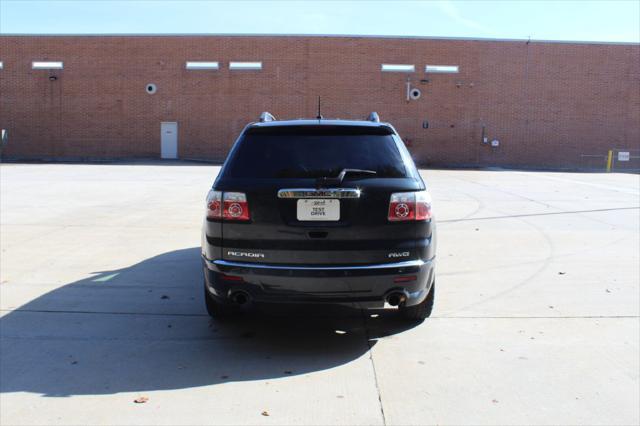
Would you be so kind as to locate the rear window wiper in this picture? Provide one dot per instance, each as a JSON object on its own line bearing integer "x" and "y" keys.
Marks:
{"x": 328, "y": 181}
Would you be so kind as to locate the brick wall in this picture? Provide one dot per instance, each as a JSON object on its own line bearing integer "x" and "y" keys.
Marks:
{"x": 547, "y": 103}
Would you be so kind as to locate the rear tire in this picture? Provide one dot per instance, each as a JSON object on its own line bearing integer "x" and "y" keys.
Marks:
{"x": 216, "y": 309}
{"x": 421, "y": 311}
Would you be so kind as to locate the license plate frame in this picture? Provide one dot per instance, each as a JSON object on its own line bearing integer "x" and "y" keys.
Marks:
{"x": 318, "y": 209}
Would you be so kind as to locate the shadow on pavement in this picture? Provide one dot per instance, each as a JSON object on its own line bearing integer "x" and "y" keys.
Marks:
{"x": 144, "y": 328}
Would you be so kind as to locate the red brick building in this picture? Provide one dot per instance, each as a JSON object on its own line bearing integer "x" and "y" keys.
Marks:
{"x": 549, "y": 104}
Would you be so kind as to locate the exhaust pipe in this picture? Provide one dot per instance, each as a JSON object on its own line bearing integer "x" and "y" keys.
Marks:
{"x": 396, "y": 298}
{"x": 240, "y": 297}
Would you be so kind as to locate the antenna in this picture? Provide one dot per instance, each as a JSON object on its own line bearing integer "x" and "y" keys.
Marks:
{"x": 319, "y": 117}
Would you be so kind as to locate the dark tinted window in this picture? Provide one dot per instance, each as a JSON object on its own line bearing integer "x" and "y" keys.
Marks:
{"x": 315, "y": 151}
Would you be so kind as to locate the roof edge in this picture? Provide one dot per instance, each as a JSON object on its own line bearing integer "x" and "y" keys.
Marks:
{"x": 363, "y": 36}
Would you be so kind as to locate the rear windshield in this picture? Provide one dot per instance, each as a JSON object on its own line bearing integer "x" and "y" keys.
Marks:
{"x": 315, "y": 151}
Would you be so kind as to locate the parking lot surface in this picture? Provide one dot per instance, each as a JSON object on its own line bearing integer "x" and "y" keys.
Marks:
{"x": 536, "y": 318}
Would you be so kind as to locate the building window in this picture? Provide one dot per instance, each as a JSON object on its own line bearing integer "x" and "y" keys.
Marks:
{"x": 443, "y": 69}
{"x": 397, "y": 68}
{"x": 245, "y": 65}
{"x": 45, "y": 65}
{"x": 200, "y": 65}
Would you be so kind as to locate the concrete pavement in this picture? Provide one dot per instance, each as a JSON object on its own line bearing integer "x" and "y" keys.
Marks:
{"x": 537, "y": 317}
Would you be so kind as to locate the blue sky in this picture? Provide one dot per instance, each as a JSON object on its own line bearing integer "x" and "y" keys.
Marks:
{"x": 541, "y": 20}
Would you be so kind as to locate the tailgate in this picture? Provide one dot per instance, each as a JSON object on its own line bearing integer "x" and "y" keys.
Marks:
{"x": 352, "y": 228}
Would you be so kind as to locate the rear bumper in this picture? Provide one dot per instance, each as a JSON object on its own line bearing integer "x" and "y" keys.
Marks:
{"x": 366, "y": 285}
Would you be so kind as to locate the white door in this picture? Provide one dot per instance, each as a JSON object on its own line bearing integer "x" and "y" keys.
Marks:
{"x": 169, "y": 139}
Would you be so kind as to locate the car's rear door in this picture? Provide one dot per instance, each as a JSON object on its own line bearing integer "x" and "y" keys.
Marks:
{"x": 293, "y": 222}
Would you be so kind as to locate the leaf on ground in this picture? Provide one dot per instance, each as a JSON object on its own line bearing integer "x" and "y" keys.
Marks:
{"x": 141, "y": 400}
{"x": 265, "y": 413}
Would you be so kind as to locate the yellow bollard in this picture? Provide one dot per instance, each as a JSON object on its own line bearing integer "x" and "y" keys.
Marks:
{"x": 609, "y": 161}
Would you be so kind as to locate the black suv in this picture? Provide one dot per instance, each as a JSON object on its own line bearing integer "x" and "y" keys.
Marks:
{"x": 319, "y": 211}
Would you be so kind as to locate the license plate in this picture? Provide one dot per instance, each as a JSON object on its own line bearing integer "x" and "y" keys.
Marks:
{"x": 310, "y": 209}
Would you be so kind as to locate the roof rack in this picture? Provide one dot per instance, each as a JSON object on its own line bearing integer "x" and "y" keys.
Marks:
{"x": 374, "y": 117}
{"x": 266, "y": 116}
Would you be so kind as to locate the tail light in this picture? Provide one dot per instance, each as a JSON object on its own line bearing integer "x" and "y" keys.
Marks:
{"x": 406, "y": 206}
{"x": 235, "y": 206}
{"x": 214, "y": 205}
{"x": 227, "y": 206}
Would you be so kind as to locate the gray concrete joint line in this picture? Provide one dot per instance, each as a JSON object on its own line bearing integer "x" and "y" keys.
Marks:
{"x": 515, "y": 216}
{"x": 373, "y": 367}
{"x": 45, "y": 311}
{"x": 433, "y": 317}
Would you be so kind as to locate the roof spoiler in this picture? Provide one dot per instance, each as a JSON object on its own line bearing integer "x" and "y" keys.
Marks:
{"x": 374, "y": 117}
{"x": 266, "y": 116}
